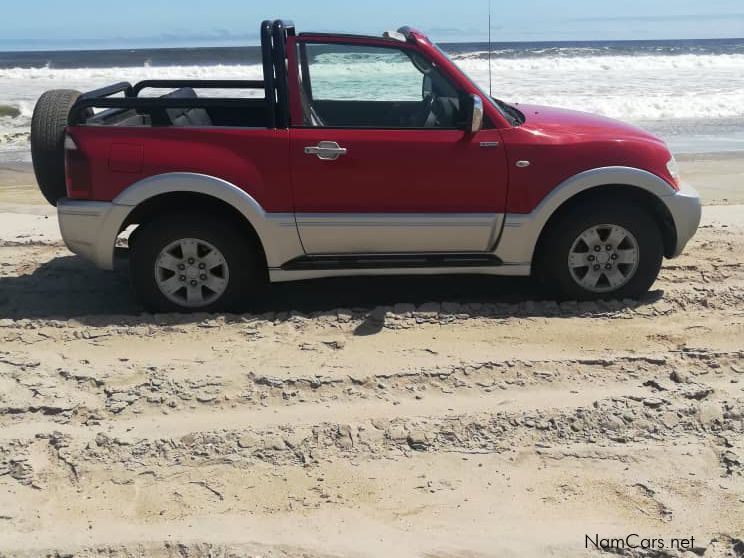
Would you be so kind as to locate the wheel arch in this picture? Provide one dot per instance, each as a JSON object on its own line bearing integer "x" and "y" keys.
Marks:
{"x": 523, "y": 234}
{"x": 194, "y": 202}
{"x": 609, "y": 193}
{"x": 276, "y": 233}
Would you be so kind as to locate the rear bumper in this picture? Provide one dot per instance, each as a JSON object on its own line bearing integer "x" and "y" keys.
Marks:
{"x": 686, "y": 210}
{"x": 90, "y": 228}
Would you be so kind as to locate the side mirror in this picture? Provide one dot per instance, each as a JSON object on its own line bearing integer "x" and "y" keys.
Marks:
{"x": 474, "y": 115}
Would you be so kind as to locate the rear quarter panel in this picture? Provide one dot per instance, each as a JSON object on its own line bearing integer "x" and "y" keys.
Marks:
{"x": 255, "y": 160}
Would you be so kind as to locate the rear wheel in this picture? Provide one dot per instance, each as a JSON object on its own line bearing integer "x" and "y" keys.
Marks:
{"x": 189, "y": 263}
{"x": 601, "y": 251}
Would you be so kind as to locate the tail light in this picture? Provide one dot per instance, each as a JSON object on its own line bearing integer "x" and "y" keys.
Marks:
{"x": 77, "y": 170}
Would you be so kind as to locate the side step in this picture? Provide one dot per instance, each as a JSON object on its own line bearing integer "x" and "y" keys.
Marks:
{"x": 391, "y": 261}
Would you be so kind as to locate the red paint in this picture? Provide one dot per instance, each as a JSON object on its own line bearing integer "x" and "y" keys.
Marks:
{"x": 385, "y": 170}
{"x": 126, "y": 157}
{"x": 253, "y": 159}
{"x": 561, "y": 143}
{"x": 408, "y": 171}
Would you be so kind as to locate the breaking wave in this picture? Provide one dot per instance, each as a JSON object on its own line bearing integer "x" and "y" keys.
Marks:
{"x": 653, "y": 86}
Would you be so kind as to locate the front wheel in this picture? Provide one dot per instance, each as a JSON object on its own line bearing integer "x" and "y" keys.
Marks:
{"x": 191, "y": 263}
{"x": 597, "y": 251}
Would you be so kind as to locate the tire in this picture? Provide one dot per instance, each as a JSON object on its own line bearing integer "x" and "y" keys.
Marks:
{"x": 156, "y": 258}
{"x": 48, "y": 125}
{"x": 568, "y": 261}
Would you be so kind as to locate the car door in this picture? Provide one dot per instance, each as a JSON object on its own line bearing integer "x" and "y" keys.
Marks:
{"x": 381, "y": 162}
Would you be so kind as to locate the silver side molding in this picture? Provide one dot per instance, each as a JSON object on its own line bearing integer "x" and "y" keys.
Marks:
{"x": 365, "y": 233}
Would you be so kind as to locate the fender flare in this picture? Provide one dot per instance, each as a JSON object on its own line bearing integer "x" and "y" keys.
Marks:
{"x": 522, "y": 231}
{"x": 277, "y": 232}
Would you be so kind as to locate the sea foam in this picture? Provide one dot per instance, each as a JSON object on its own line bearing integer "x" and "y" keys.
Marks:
{"x": 637, "y": 88}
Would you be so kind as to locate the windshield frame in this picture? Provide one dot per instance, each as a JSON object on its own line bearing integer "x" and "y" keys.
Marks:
{"x": 505, "y": 115}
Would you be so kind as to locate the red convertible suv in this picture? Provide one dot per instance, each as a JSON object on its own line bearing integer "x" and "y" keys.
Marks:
{"x": 359, "y": 156}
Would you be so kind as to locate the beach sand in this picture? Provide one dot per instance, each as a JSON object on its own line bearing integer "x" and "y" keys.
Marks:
{"x": 432, "y": 417}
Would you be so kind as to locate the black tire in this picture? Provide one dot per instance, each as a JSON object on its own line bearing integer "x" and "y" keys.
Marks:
{"x": 248, "y": 277}
{"x": 47, "y": 141}
{"x": 552, "y": 268}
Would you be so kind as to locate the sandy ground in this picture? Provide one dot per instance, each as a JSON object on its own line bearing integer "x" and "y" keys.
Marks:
{"x": 436, "y": 417}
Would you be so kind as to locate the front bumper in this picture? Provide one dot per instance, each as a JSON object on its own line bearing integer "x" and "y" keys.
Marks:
{"x": 90, "y": 228}
{"x": 686, "y": 210}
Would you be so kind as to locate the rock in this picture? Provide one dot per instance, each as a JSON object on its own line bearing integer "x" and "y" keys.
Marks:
{"x": 731, "y": 461}
{"x": 698, "y": 392}
{"x": 247, "y": 441}
{"x": 653, "y": 402}
{"x": 588, "y": 307}
{"x": 644, "y": 425}
{"x": 344, "y": 437}
{"x": 370, "y": 435}
{"x": 188, "y": 439}
{"x": 345, "y": 316}
{"x": 396, "y": 433}
{"x": 267, "y": 381}
{"x": 336, "y": 344}
{"x": 663, "y": 308}
{"x": 102, "y": 440}
{"x": 430, "y": 308}
{"x": 125, "y": 397}
{"x": 613, "y": 422}
{"x": 680, "y": 376}
{"x": 294, "y": 440}
{"x": 710, "y": 413}
{"x": 403, "y": 309}
{"x": 670, "y": 419}
{"x": 117, "y": 408}
{"x": 657, "y": 385}
{"x": 274, "y": 442}
{"x": 418, "y": 440}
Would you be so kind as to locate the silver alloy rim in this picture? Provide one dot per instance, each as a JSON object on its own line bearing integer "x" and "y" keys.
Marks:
{"x": 191, "y": 273}
{"x": 604, "y": 258}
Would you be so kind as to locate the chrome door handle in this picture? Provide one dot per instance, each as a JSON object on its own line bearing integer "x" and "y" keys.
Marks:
{"x": 327, "y": 151}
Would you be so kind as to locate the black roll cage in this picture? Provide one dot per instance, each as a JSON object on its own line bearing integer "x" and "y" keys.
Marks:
{"x": 274, "y": 36}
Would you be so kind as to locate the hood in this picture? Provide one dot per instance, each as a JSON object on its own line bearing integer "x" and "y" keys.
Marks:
{"x": 564, "y": 124}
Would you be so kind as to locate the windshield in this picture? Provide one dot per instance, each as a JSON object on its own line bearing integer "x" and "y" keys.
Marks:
{"x": 498, "y": 105}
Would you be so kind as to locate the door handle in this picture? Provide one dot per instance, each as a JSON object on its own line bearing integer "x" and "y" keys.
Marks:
{"x": 326, "y": 151}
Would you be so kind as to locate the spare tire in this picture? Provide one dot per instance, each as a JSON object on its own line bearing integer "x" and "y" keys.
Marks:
{"x": 48, "y": 141}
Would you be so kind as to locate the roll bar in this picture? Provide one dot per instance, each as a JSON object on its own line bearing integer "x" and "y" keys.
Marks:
{"x": 274, "y": 35}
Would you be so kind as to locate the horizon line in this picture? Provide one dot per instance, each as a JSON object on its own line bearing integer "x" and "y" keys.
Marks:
{"x": 448, "y": 42}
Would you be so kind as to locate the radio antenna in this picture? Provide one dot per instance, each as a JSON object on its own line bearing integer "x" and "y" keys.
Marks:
{"x": 490, "y": 79}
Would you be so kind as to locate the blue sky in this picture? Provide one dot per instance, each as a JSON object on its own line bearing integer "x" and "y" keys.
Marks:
{"x": 40, "y": 24}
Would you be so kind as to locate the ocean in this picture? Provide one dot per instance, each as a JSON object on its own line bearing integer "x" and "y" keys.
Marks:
{"x": 690, "y": 92}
